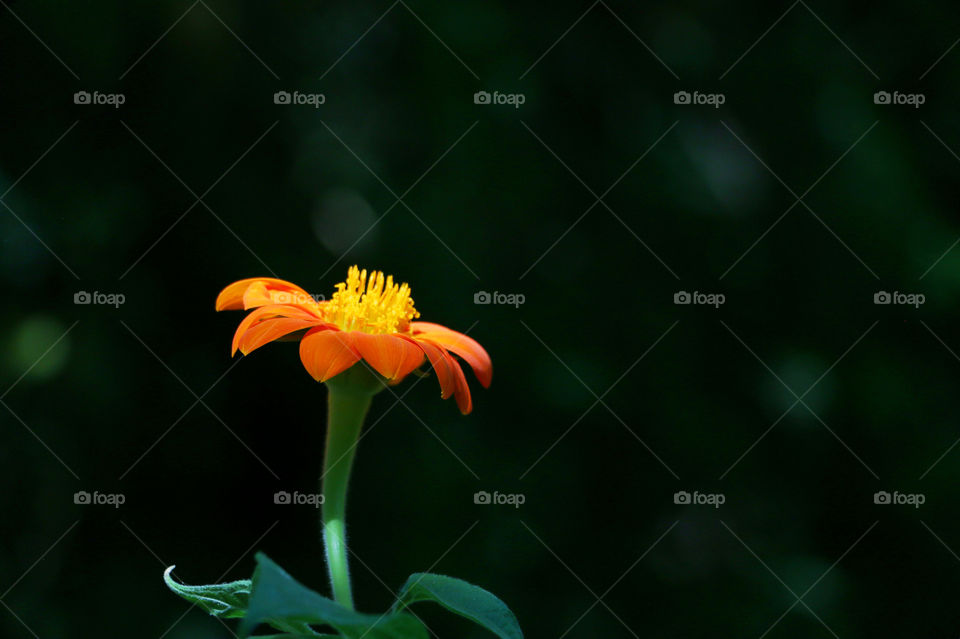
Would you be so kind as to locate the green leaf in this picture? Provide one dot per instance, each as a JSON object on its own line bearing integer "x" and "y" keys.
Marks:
{"x": 465, "y": 599}
{"x": 227, "y": 600}
{"x": 277, "y": 598}
{"x": 230, "y": 601}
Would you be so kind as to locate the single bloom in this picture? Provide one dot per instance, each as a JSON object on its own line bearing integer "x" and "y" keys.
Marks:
{"x": 368, "y": 318}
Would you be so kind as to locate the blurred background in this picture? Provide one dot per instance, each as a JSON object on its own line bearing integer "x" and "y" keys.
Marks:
{"x": 604, "y": 161}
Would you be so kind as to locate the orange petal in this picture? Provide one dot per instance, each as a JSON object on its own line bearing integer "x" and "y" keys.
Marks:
{"x": 261, "y": 294}
{"x": 462, "y": 391}
{"x": 326, "y": 352}
{"x": 271, "y": 312}
{"x": 271, "y": 329}
{"x": 440, "y": 366}
{"x": 390, "y": 355}
{"x": 464, "y": 346}
{"x": 231, "y": 298}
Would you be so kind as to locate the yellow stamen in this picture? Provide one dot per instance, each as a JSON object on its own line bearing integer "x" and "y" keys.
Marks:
{"x": 371, "y": 305}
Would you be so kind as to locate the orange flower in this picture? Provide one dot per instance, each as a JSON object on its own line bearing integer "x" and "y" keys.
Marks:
{"x": 367, "y": 318}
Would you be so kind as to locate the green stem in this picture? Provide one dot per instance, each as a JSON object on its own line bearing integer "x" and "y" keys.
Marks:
{"x": 348, "y": 402}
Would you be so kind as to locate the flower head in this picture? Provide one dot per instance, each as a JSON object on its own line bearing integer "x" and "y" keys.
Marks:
{"x": 369, "y": 317}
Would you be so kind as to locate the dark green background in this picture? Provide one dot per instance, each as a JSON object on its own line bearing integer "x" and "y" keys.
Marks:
{"x": 111, "y": 195}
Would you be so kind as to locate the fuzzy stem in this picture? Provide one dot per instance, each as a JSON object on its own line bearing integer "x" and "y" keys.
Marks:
{"x": 348, "y": 404}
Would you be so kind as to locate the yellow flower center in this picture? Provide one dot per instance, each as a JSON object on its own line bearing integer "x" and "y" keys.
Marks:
{"x": 371, "y": 305}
